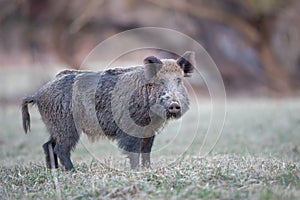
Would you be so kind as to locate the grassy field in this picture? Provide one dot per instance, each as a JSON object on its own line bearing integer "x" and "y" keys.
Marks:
{"x": 257, "y": 157}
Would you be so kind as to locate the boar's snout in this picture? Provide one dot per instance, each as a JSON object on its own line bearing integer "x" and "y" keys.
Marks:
{"x": 174, "y": 110}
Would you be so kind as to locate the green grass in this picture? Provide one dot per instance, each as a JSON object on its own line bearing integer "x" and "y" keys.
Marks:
{"x": 257, "y": 157}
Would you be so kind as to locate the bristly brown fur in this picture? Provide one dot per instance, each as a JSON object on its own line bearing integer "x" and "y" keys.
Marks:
{"x": 170, "y": 66}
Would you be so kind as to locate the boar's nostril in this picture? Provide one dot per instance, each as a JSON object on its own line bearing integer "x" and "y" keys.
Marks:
{"x": 174, "y": 108}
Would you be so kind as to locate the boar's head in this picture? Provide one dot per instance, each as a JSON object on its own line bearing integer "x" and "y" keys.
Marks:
{"x": 164, "y": 79}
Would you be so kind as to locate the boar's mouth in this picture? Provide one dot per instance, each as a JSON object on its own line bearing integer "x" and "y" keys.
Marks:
{"x": 173, "y": 115}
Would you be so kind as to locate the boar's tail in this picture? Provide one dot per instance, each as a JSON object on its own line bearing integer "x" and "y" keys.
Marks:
{"x": 25, "y": 112}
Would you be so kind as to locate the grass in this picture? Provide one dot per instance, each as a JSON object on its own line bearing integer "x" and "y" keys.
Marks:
{"x": 257, "y": 157}
{"x": 213, "y": 177}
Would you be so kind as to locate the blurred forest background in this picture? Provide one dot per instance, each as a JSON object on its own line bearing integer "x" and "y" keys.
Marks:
{"x": 255, "y": 43}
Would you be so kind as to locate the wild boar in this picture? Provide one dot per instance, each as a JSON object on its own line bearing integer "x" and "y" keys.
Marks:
{"x": 129, "y": 105}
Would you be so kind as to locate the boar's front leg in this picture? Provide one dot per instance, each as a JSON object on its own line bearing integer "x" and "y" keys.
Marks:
{"x": 134, "y": 159}
{"x": 132, "y": 147}
{"x": 146, "y": 150}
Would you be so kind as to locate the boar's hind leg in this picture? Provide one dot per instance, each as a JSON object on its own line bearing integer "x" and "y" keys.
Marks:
{"x": 66, "y": 140}
{"x": 146, "y": 150}
{"x": 46, "y": 146}
{"x": 64, "y": 154}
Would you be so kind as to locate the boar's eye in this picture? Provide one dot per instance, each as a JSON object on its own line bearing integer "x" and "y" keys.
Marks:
{"x": 162, "y": 81}
{"x": 149, "y": 84}
{"x": 178, "y": 80}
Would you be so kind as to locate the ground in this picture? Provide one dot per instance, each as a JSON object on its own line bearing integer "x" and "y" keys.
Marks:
{"x": 257, "y": 157}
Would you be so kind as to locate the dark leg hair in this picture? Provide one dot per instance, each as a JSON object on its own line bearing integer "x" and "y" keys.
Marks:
{"x": 47, "y": 153}
{"x": 146, "y": 150}
{"x": 134, "y": 159}
{"x": 132, "y": 147}
{"x": 64, "y": 154}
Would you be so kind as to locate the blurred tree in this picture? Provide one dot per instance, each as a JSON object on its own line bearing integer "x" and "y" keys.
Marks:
{"x": 243, "y": 37}
{"x": 253, "y": 24}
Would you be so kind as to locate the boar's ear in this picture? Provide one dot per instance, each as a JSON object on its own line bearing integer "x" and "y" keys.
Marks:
{"x": 187, "y": 62}
{"x": 152, "y": 66}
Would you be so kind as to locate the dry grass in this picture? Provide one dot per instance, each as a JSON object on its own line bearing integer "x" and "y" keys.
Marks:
{"x": 213, "y": 177}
